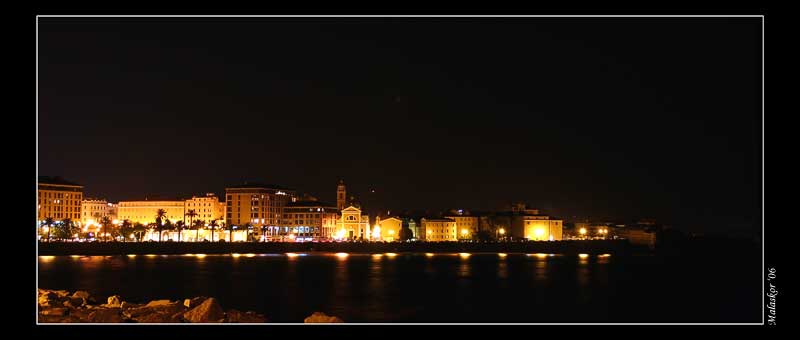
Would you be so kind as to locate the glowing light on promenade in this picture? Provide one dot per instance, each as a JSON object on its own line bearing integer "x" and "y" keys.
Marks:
{"x": 292, "y": 255}
{"x": 502, "y": 255}
{"x": 150, "y": 255}
{"x": 541, "y": 256}
{"x": 75, "y": 256}
{"x": 583, "y": 256}
{"x": 342, "y": 255}
{"x": 391, "y": 254}
{"x": 464, "y": 255}
{"x": 131, "y": 255}
{"x": 46, "y": 258}
{"x": 429, "y": 254}
{"x": 604, "y": 255}
{"x": 236, "y": 254}
{"x": 249, "y": 255}
{"x": 200, "y": 256}
{"x": 377, "y": 256}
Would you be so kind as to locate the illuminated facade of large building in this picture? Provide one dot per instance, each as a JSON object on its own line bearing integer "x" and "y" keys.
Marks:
{"x": 530, "y": 224}
{"x": 352, "y": 225}
{"x": 466, "y": 225}
{"x": 144, "y": 212}
{"x": 92, "y": 211}
{"x": 438, "y": 229}
{"x": 58, "y": 199}
{"x": 307, "y": 220}
{"x": 257, "y": 204}
{"x": 387, "y": 229}
{"x": 208, "y": 208}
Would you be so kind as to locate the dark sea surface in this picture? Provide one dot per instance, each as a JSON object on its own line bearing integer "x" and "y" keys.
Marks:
{"x": 415, "y": 287}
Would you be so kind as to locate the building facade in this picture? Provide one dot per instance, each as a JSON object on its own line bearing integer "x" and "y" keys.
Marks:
{"x": 542, "y": 228}
{"x": 257, "y": 204}
{"x": 208, "y": 209}
{"x": 438, "y": 229}
{"x": 467, "y": 225}
{"x": 144, "y": 212}
{"x": 58, "y": 199}
{"x": 387, "y": 229}
{"x": 92, "y": 211}
{"x": 305, "y": 220}
{"x": 352, "y": 225}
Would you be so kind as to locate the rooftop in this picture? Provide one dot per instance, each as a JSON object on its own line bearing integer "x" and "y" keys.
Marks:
{"x": 56, "y": 180}
{"x": 256, "y": 185}
{"x": 309, "y": 204}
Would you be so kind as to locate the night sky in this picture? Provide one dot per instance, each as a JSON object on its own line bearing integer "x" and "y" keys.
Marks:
{"x": 618, "y": 118}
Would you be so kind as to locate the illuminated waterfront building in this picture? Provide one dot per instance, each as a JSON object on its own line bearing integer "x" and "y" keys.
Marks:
{"x": 58, "y": 199}
{"x": 352, "y": 225}
{"x": 530, "y": 224}
{"x": 208, "y": 208}
{"x": 92, "y": 210}
{"x": 257, "y": 204}
{"x": 305, "y": 220}
{"x": 438, "y": 229}
{"x": 466, "y": 224}
{"x": 387, "y": 229}
{"x": 144, "y": 212}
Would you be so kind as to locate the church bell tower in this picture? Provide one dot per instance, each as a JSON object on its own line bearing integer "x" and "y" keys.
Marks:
{"x": 341, "y": 196}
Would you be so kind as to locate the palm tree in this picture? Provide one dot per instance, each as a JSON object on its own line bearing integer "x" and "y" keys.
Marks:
{"x": 230, "y": 229}
{"x": 160, "y": 213}
{"x": 126, "y": 229}
{"x": 180, "y": 225}
{"x": 167, "y": 225}
{"x": 49, "y": 222}
{"x": 191, "y": 215}
{"x": 139, "y": 230}
{"x": 197, "y": 226}
{"x": 105, "y": 222}
{"x": 70, "y": 227}
{"x": 214, "y": 225}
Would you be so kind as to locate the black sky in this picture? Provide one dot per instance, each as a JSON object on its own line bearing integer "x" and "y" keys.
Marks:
{"x": 602, "y": 117}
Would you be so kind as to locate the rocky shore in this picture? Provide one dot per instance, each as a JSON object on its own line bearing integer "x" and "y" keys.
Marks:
{"x": 59, "y": 306}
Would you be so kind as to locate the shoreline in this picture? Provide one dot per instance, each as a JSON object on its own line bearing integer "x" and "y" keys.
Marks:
{"x": 572, "y": 247}
{"x": 59, "y": 306}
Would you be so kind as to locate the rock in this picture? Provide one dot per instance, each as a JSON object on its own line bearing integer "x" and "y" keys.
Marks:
{"x": 106, "y": 315}
{"x": 56, "y": 311}
{"x": 155, "y": 303}
{"x": 208, "y": 311}
{"x": 127, "y": 305}
{"x": 48, "y": 299}
{"x": 81, "y": 314}
{"x": 319, "y": 317}
{"x": 235, "y": 316}
{"x": 61, "y": 293}
{"x": 75, "y": 302}
{"x": 114, "y": 301}
{"x": 153, "y": 318}
{"x": 81, "y": 294}
{"x": 194, "y": 302}
{"x": 177, "y": 317}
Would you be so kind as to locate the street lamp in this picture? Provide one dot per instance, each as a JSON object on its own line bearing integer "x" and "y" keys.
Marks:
{"x": 583, "y": 232}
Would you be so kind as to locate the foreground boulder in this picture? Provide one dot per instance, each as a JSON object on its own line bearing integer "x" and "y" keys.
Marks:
{"x": 320, "y": 317}
{"x": 114, "y": 301}
{"x": 208, "y": 311}
{"x": 194, "y": 302}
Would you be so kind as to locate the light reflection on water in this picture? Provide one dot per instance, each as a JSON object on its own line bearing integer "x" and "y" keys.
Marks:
{"x": 368, "y": 288}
